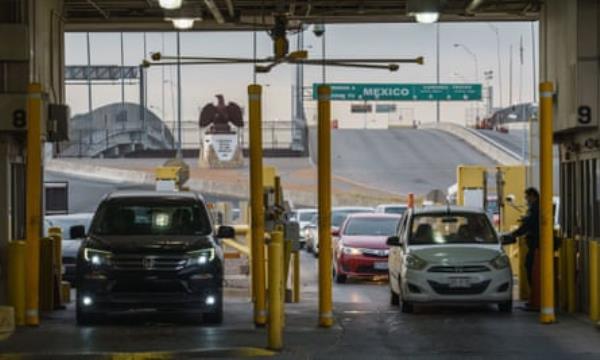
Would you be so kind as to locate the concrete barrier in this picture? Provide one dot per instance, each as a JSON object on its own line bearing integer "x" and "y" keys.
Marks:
{"x": 490, "y": 148}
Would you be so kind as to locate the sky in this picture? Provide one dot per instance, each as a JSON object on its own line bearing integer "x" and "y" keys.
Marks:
{"x": 201, "y": 83}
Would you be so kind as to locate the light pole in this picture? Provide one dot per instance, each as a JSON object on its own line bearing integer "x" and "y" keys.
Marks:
{"x": 497, "y": 32}
{"x": 465, "y": 48}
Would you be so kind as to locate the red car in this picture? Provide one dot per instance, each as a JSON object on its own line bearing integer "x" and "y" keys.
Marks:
{"x": 361, "y": 250}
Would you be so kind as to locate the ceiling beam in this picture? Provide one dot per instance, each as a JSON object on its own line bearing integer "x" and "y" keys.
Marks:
{"x": 214, "y": 10}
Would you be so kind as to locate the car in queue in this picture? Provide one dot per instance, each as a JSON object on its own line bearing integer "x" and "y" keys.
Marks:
{"x": 69, "y": 245}
{"x": 303, "y": 217}
{"x": 361, "y": 250}
{"x": 338, "y": 216}
{"x": 449, "y": 255}
{"x": 151, "y": 251}
{"x": 391, "y": 208}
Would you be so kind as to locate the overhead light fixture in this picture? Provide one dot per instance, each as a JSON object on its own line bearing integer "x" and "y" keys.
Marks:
{"x": 170, "y": 4}
{"x": 183, "y": 23}
{"x": 427, "y": 17}
{"x": 425, "y": 11}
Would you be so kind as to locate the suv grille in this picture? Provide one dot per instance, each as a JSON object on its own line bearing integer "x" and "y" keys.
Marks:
{"x": 138, "y": 262}
{"x": 459, "y": 269}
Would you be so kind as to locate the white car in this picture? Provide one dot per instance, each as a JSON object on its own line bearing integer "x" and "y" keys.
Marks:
{"x": 449, "y": 255}
{"x": 391, "y": 208}
{"x": 303, "y": 218}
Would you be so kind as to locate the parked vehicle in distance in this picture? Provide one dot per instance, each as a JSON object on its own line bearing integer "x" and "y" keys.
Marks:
{"x": 391, "y": 208}
{"x": 151, "y": 250}
{"x": 338, "y": 216}
{"x": 70, "y": 246}
{"x": 449, "y": 255}
{"x": 303, "y": 218}
{"x": 361, "y": 250}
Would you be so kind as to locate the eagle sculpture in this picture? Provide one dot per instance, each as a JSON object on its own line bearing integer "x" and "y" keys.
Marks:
{"x": 219, "y": 116}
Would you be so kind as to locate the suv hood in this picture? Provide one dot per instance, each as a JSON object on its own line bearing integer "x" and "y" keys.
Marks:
{"x": 456, "y": 254}
{"x": 136, "y": 244}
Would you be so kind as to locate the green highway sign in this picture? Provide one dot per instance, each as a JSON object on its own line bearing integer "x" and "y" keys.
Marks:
{"x": 402, "y": 92}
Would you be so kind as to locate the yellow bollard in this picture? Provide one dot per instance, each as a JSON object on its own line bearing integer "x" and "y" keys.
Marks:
{"x": 296, "y": 277}
{"x": 257, "y": 206}
{"x": 522, "y": 273}
{"x": 33, "y": 207}
{"x": 276, "y": 288}
{"x": 47, "y": 274}
{"x": 324, "y": 186}
{"x": 571, "y": 293}
{"x": 593, "y": 278}
{"x": 546, "y": 207}
{"x": 16, "y": 279}
{"x": 56, "y": 234}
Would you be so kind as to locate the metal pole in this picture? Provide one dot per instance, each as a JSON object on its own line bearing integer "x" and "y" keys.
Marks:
{"x": 497, "y": 32}
{"x": 276, "y": 288}
{"x": 257, "y": 206}
{"x": 510, "y": 76}
{"x": 90, "y": 124}
{"x": 546, "y": 212}
{"x": 533, "y": 64}
{"x": 296, "y": 277}
{"x": 324, "y": 198}
{"x": 33, "y": 196}
{"x": 122, "y": 72}
{"x": 162, "y": 71}
{"x": 437, "y": 65}
{"x": 179, "y": 95}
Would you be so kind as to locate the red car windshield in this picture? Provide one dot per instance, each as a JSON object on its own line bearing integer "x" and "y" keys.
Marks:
{"x": 373, "y": 226}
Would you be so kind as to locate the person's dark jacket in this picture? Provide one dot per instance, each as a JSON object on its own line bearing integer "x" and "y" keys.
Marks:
{"x": 530, "y": 226}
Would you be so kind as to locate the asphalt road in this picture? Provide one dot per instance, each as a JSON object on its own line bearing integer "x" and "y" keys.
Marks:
{"x": 512, "y": 140}
{"x": 399, "y": 160}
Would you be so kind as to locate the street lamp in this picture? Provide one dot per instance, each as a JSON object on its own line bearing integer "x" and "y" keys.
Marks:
{"x": 465, "y": 48}
{"x": 497, "y": 32}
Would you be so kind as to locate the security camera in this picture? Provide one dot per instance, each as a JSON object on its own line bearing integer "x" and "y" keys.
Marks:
{"x": 319, "y": 29}
{"x": 510, "y": 199}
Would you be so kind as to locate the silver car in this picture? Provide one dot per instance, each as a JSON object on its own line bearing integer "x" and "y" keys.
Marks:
{"x": 448, "y": 255}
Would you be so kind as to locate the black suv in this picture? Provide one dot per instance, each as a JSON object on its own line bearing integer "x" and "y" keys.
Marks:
{"x": 150, "y": 250}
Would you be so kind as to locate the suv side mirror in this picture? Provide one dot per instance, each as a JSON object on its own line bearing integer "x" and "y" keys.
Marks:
{"x": 225, "y": 232}
{"x": 393, "y": 241}
{"x": 77, "y": 232}
{"x": 507, "y": 239}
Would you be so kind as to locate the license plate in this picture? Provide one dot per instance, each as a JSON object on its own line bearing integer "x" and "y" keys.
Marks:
{"x": 380, "y": 266}
{"x": 459, "y": 282}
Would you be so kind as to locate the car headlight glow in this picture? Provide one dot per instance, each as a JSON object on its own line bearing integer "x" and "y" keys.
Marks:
{"x": 350, "y": 251}
{"x": 97, "y": 257}
{"x": 201, "y": 257}
{"x": 415, "y": 263}
{"x": 500, "y": 262}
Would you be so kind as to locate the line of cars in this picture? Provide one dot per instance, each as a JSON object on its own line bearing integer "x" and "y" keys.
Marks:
{"x": 431, "y": 255}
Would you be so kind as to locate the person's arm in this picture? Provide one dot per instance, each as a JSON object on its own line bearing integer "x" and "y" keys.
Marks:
{"x": 525, "y": 226}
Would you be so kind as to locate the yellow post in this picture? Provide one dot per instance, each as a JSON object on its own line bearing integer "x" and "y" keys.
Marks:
{"x": 564, "y": 275}
{"x": 257, "y": 207}
{"x": 546, "y": 209}
{"x": 524, "y": 285}
{"x": 33, "y": 202}
{"x": 571, "y": 294}
{"x": 56, "y": 234}
{"x": 275, "y": 325}
{"x": 593, "y": 278}
{"x": 324, "y": 185}
{"x": 296, "y": 277}
{"x": 16, "y": 279}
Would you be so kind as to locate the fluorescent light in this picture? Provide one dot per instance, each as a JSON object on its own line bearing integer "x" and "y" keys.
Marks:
{"x": 427, "y": 17}
{"x": 183, "y": 23}
{"x": 170, "y": 4}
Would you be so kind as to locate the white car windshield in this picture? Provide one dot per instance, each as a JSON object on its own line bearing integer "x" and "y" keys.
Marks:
{"x": 306, "y": 215}
{"x": 442, "y": 229}
{"x": 357, "y": 226}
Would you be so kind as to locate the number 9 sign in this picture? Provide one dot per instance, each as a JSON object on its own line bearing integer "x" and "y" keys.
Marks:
{"x": 584, "y": 115}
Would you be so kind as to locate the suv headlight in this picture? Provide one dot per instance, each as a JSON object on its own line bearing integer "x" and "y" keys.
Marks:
{"x": 201, "y": 257}
{"x": 346, "y": 250}
{"x": 500, "y": 262}
{"x": 415, "y": 263}
{"x": 97, "y": 257}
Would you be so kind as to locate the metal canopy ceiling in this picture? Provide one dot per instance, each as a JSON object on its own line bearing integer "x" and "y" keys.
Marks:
{"x": 115, "y": 15}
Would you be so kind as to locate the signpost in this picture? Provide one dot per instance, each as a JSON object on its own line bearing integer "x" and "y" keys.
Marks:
{"x": 402, "y": 92}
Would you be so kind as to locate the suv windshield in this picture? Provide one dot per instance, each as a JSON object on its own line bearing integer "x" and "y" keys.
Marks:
{"x": 306, "y": 215}
{"x": 440, "y": 229}
{"x": 371, "y": 226}
{"x": 395, "y": 210}
{"x": 151, "y": 217}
